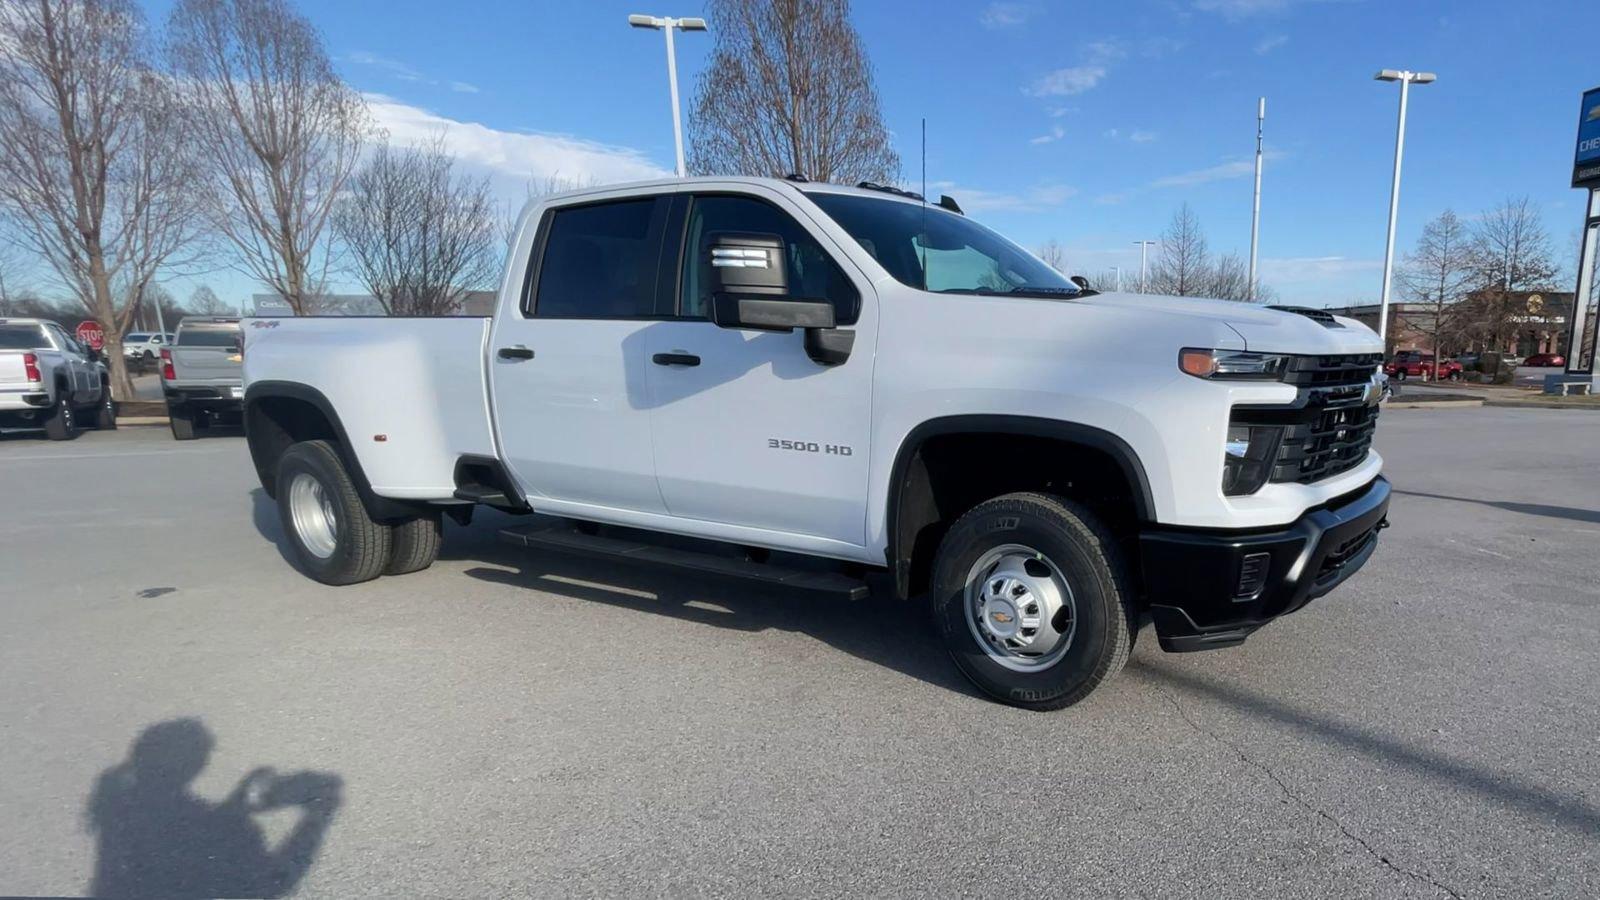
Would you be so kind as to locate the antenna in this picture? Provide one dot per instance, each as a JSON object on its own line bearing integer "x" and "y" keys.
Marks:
{"x": 922, "y": 245}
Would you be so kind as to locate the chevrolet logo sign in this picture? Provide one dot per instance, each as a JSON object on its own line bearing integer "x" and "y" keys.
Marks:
{"x": 1001, "y": 618}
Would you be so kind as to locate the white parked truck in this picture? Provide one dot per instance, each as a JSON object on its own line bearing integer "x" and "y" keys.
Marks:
{"x": 49, "y": 380}
{"x": 854, "y": 375}
{"x": 201, "y": 375}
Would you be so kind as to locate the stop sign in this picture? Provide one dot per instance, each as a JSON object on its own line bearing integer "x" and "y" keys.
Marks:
{"x": 90, "y": 334}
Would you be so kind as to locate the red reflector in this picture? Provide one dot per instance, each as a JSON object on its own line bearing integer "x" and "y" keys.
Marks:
{"x": 30, "y": 367}
{"x": 166, "y": 366}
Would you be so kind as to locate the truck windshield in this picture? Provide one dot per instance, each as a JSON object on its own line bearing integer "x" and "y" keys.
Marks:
{"x": 209, "y": 336}
{"x": 22, "y": 337}
{"x": 932, "y": 249}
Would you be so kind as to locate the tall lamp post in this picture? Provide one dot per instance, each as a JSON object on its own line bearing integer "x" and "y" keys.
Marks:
{"x": 1144, "y": 247}
{"x": 667, "y": 24}
{"x": 1255, "y": 209}
{"x": 1406, "y": 79}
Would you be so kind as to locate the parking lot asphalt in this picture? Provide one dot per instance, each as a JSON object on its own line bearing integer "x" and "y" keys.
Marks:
{"x": 512, "y": 723}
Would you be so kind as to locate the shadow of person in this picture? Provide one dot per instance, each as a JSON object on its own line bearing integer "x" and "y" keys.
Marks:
{"x": 156, "y": 838}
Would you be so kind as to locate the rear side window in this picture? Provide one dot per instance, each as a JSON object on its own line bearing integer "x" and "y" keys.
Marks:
{"x": 209, "y": 336}
{"x": 600, "y": 261}
{"x": 813, "y": 275}
{"x": 22, "y": 337}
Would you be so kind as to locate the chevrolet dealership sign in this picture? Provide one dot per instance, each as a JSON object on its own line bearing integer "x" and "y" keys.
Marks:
{"x": 1586, "y": 164}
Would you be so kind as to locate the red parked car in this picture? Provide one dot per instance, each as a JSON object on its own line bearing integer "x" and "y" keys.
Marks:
{"x": 1545, "y": 360}
{"x": 1416, "y": 364}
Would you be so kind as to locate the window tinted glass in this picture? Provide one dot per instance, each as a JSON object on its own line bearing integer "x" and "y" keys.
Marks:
{"x": 813, "y": 275}
{"x": 930, "y": 248}
{"x": 600, "y": 261}
{"x": 22, "y": 337}
{"x": 136, "y": 338}
{"x": 209, "y": 336}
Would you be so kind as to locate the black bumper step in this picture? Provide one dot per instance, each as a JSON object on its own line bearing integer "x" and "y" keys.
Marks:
{"x": 568, "y": 540}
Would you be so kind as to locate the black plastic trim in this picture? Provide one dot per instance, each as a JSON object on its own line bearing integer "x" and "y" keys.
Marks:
{"x": 898, "y": 552}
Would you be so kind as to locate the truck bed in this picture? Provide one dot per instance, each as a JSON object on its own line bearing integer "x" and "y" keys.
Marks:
{"x": 411, "y": 393}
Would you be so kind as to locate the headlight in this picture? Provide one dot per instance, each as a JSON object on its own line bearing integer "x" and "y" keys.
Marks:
{"x": 1232, "y": 364}
{"x": 1247, "y": 458}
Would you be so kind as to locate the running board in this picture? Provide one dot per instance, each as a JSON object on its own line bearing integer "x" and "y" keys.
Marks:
{"x": 567, "y": 540}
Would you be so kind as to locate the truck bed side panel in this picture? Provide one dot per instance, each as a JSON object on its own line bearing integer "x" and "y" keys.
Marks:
{"x": 410, "y": 392}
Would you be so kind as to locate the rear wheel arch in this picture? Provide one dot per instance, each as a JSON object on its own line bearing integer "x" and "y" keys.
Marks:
{"x": 929, "y": 487}
{"x": 280, "y": 414}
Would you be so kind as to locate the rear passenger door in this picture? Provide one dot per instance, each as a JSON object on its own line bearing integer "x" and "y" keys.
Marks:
{"x": 567, "y": 366}
{"x": 755, "y": 433}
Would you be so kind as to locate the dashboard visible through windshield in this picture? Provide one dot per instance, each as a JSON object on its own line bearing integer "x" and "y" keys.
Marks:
{"x": 932, "y": 249}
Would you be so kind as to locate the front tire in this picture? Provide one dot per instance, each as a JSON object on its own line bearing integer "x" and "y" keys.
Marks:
{"x": 414, "y": 544}
{"x": 1400, "y": 375}
{"x": 334, "y": 538}
{"x": 1033, "y": 600}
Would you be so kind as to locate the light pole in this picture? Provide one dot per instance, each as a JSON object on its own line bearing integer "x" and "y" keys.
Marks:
{"x": 1406, "y": 79}
{"x": 667, "y": 24}
{"x": 1255, "y": 212}
{"x": 1118, "y": 270}
{"x": 1144, "y": 248}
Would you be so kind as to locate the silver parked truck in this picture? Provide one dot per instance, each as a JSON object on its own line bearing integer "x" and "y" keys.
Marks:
{"x": 202, "y": 375}
{"x": 49, "y": 380}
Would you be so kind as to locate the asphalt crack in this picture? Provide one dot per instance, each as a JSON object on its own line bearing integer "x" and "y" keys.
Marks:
{"x": 1318, "y": 811}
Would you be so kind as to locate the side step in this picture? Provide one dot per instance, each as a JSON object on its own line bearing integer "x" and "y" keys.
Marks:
{"x": 567, "y": 540}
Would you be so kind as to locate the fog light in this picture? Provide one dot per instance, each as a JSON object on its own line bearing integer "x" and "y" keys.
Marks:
{"x": 1248, "y": 454}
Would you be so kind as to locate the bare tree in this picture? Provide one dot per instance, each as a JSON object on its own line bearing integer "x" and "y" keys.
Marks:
{"x": 1229, "y": 279}
{"x": 92, "y": 169}
{"x": 789, "y": 89}
{"x": 1437, "y": 272}
{"x": 420, "y": 236}
{"x": 280, "y": 131}
{"x": 203, "y": 301}
{"x": 1052, "y": 254}
{"x": 1182, "y": 268}
{"x": 12, "y": 263}
{"x": 1511, "y": 253}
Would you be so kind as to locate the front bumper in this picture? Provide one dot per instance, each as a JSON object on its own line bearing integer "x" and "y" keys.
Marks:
{"x": 1210, "y": 588}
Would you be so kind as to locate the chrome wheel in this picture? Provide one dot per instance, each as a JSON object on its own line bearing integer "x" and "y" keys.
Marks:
{"x": 1020, "y": 608}
{"x": 312, "y": 514}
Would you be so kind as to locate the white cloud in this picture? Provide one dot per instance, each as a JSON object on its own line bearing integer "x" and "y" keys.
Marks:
{"x": 1038, "y": 198}
{"x": 1142, "y": 137}
{"x": 512, "y": 158}
{"x": 1238, "y": 168}
{"x": 405, "y": 72}
{"x": 1268, "y": 44}
{"x": 1303, "y": 269}
{"x": 462, "y": 87}
{"x": 1068, "y": 81}
{"x": 1055, "y": 134}
{"x": 1005, "y": 15}
{"x": 1241, "y": 8}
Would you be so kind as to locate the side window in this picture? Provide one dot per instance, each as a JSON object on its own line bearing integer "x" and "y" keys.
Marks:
{"x": 813, "y": 275}
{"x": 600, "y": 261}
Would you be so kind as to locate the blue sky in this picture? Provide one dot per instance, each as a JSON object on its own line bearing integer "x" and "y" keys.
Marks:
{"x": 1084, "y": 122}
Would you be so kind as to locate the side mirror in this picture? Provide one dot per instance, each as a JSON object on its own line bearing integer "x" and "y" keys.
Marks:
{"x": 92, "y": 354}
{"x": 750, "y": 289}
{"x": 1081, "y": 282}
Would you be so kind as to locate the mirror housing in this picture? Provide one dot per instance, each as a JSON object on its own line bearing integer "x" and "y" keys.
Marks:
{"x": 1081, "y": 282}
{"x": 750, "y": 289}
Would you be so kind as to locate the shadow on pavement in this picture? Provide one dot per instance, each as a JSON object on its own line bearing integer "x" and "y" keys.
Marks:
{"x": 882, "y": 630}
{"x": 264, "y": 516}
{"x": 157, "y": 839}
{"x": 1531, "y": 509}
{"x": 1538, "y": 803}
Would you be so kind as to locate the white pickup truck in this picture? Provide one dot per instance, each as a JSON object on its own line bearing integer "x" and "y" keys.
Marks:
{"x": 49, "y": 380}
{"x": 858, "y": 376}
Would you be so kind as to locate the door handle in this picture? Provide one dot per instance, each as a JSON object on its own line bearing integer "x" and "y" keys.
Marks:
{"x": 518, "y": 352}
{"x": 675, "y": 359}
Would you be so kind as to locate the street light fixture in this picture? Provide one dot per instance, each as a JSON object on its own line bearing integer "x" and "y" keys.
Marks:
{"x": 1406, "y": 79}
{"x": 1144, "y": 247}
{"x": 667, "y": 24}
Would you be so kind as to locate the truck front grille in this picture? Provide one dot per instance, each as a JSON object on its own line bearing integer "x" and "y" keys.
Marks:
{"x": 1329, "y": 428}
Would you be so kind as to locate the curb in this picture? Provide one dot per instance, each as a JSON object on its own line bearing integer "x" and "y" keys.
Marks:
{"x": 142, "y": 420}
{"x": 1433, "y": 404}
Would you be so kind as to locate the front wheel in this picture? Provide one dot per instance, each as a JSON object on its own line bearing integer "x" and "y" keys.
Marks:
{"x": 1033, "y": 600}
{"x": 1454, "y": 376}
{"x": 1400, "y": 375}
{"x": 105, "y": 413}
{"x": 334, "y": 538}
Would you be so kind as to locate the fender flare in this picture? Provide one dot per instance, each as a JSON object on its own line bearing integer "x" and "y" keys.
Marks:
{"x": 897, "y": 551}
{"x": 379, "y": 507}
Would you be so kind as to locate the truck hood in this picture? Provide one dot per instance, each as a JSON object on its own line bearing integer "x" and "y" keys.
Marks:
{"x": 1262, "y": 329}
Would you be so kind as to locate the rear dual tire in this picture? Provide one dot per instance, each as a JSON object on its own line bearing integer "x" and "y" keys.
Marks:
{"x": 63, "y": 422}
{"x": 334, "y": 538}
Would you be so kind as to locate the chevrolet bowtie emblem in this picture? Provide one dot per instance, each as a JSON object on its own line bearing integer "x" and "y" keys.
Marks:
{"x": 1001, "y": 618}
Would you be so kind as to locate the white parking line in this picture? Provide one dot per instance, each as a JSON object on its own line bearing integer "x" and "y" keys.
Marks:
{"x": 53, "y": 456}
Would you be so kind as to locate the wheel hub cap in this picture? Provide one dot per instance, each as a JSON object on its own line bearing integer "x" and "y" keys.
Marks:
{"x": 1020, "y": 608}
{"x": 312, "y": 514}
